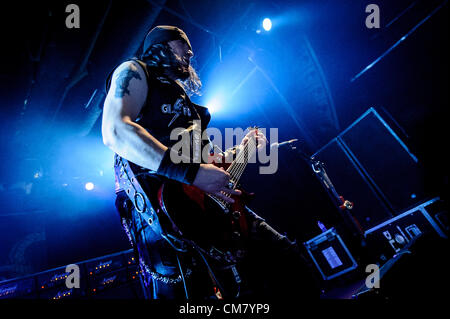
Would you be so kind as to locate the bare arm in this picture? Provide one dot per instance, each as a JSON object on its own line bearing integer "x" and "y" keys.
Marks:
{"x": 120, "y": 132}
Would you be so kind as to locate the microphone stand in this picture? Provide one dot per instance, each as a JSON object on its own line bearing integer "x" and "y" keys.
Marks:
{"x": 343, "y": 205}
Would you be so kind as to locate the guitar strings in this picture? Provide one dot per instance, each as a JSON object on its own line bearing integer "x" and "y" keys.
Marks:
{"x": 240, "y": 162}
{"x": 240, "y": 166}
{"x": 236, "y": 161}
{"x": 237, "y": 168}
{"x": 232, "y": 168}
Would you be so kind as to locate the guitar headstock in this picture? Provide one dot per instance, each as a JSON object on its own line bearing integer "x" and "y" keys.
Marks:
{"x": 252, "y": 128}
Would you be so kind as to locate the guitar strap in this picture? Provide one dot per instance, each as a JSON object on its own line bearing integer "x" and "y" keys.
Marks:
{"x": 129, "y": 183}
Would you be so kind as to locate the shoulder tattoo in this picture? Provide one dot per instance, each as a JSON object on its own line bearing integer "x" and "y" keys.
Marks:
{"x": 123, "y": 80}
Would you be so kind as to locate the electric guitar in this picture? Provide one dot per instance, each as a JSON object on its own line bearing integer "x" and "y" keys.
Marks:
{"x": 206, "y": 219}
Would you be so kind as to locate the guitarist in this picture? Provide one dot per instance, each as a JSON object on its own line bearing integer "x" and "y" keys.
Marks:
{"x": 146, "y": 99}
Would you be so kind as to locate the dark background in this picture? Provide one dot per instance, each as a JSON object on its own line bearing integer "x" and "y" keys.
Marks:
{"x": 50, "y": 134}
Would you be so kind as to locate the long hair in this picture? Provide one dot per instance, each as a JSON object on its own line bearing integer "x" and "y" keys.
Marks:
{"x": 162, "y": 59}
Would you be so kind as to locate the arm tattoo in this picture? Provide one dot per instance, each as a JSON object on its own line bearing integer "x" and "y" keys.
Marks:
{"x": 123, "y": 80}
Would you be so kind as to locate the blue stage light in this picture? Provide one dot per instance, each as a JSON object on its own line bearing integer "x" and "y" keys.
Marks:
{"x": 89, "y": 186}
{"x": 267, "y": 24}
{"x": 214, "y": 105}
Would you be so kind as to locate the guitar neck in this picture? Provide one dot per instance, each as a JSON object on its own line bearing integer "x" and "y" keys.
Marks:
{"x": 237, "y": 167}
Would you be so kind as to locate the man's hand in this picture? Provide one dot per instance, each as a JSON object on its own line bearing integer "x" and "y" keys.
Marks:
{"x": 261, "y": 141}
{"x": 214, "y": 180}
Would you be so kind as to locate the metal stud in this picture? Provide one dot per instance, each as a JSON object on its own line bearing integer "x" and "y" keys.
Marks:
{"x": 139, "y": 202}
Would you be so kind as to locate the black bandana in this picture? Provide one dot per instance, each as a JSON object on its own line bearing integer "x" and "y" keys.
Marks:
{"x": 163, "y": 34}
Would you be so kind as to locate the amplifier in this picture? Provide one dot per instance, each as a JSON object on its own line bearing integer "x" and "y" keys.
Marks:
{"x": 108, "y": 280}
{"x": 389, "y": 237}
{"x": 106, "y": 264}
{"x": 129, "y": 290}
{"x": 18, "y": 288}
{"x": 97, "y": 275}
{"x": 330, "y": 255}
{"x": 61, "y": 292}
{"x": 54, "y": 278}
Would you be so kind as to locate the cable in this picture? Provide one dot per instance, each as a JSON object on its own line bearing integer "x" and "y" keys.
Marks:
{"x": 210, "y": 270}
{"x": 182, "y": 277}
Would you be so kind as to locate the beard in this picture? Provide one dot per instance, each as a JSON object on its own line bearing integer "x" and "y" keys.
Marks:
{"x": 165, "y": 61}
{"x": 179, "y": 69}
{"x": 185, "y": 73}
{"x": 191, "y": 83}
{"x": 181, "y": 72}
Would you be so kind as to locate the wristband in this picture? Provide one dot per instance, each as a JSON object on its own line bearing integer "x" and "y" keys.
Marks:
{"x": 182, "y": 172}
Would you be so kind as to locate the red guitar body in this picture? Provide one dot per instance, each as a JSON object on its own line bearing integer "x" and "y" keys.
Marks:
{"x": 202, "y": 218}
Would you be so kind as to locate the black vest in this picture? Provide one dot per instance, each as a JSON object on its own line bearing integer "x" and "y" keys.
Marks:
{"x": 168, "y": 107}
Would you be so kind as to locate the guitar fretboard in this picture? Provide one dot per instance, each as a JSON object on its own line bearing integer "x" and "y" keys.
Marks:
{"x": 237, "y": 167}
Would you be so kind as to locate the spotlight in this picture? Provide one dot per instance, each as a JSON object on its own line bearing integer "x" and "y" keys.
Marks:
{"x": 214, "y": 105}
{"x": 89, "y": 186}
{"x": 267, "y": 24}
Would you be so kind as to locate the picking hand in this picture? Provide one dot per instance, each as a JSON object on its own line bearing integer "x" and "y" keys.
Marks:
{"x": 214, "y": 180}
